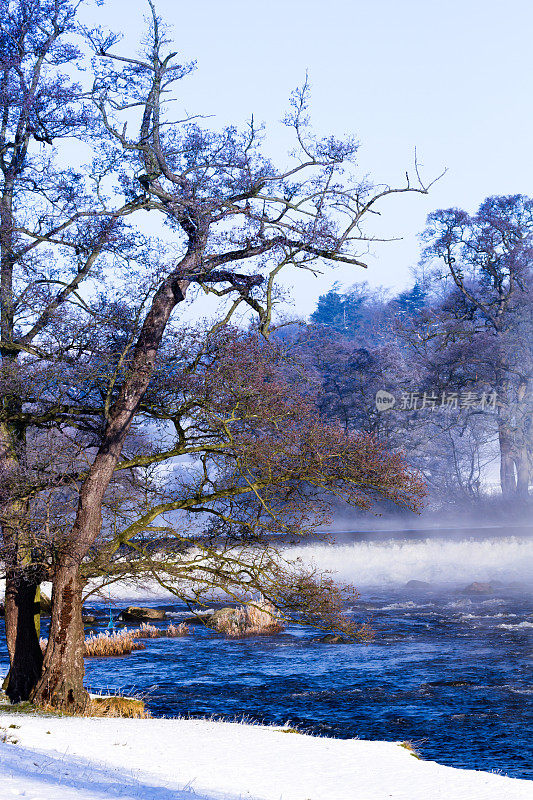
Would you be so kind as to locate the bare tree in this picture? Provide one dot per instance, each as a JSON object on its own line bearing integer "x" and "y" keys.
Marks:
{"x": 56, "y": 227}
{"x": 225, "y": 205}
{"x": 488, "y": 320}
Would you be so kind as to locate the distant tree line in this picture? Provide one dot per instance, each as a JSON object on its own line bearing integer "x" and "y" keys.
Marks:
{"x": 455, "y": 350}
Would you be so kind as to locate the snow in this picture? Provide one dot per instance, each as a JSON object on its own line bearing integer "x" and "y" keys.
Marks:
{"x": 67, "y": 758}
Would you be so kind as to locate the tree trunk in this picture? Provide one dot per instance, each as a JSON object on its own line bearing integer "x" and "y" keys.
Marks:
{"x": 61, "y": 682}
{"x": 523, "y": 472}
{"x": 507, "y": 467}
{"x": 22, "y": 612}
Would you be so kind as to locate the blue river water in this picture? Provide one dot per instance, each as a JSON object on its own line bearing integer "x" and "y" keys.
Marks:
{"x": 449, "y": 671}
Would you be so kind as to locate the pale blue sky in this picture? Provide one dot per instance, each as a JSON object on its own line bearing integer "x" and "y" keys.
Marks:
{"x": 451, "y": 78}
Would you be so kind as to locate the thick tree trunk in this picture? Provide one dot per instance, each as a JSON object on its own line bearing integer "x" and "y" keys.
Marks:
{"x": 22, "y": 634}
{"x": 22, "y": 581}
{"x": 61, "y": 682}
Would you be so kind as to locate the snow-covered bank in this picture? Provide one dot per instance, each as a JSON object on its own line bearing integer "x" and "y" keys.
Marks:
{"x": 164, "y": 759}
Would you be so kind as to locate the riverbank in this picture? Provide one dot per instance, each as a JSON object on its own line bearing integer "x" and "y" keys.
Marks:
{"x": 65, "y": 758}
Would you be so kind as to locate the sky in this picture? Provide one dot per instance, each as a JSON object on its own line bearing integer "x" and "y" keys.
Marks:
{"x": 451, "y": 78}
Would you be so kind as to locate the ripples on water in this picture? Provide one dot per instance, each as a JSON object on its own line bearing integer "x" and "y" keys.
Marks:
{"x": 449, "y": 672}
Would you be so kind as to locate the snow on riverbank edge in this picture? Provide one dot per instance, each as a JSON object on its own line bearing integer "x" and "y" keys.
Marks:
{"x": 63, "y": 758}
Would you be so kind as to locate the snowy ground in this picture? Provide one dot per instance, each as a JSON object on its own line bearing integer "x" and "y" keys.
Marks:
{"x": 164, "y": 759}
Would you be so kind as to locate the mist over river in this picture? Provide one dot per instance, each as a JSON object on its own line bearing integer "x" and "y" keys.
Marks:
{"x": 439, "y": 556}
{"x": 449, "y": 669}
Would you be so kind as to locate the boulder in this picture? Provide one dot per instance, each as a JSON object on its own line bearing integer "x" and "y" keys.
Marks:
{"x": 200, "y": 618}
{"x": 477, "y": 587}
{"x": 417, "y": 585}
{"x": 88, "y": 619}
{"x": 333, "y": 638}
{"x": 452, "y": 683}
{"x": 136, "y": 614}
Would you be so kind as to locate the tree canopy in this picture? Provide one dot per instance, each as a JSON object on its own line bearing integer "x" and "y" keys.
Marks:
{"x": 90, "y": 301}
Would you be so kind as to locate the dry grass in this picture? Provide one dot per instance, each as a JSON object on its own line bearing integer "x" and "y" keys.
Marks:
{"x": 173, "y": 631}
{"x": 147, "y": 631}
{"x": 263, "y": 616}
{"x": 105, "y": 706}
{"x": 116, "y": 707}
{"x": 254, "y": 619}
{"x": 122, "y": 643}
{"x": 411, "y": 749}
{"x": 112, "y": 644}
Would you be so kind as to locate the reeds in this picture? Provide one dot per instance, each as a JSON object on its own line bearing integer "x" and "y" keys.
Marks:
{"x": 147, "y": 631}
{"x": 263, "y": 617}
{"x": 122, "y": 643}
{"x": 173, "y": 631}
{"x": 254, "y": 619}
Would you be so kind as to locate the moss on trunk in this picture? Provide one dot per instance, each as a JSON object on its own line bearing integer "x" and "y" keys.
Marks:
{"x": 61, "y": 682}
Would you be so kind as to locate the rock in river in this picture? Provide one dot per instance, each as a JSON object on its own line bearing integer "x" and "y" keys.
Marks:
{"x": 134, "y": 613}
{"x": 417, "y": 585}
{"x": 333, "y": 638}
{"x": 479, "y": 588}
